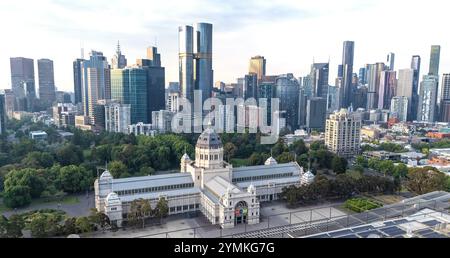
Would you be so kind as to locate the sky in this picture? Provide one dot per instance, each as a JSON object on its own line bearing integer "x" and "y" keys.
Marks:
{"x": 290, "y": 34}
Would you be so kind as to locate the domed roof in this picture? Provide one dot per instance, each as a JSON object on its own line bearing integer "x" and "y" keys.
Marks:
{"x": 106, "y": 175}
{"x": 251, "y": 188}
{"x": 270, "y": 161}
{"x": 209, "y": 139}
{"x": 113, "y": 199}
{"x": 185, "y": 157}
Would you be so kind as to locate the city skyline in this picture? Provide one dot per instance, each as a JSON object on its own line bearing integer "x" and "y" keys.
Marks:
{"x": 232, "y": 22}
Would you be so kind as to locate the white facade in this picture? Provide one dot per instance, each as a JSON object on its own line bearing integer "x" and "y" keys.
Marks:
{"x": 224, "y": 195}
{"x": 142, "y": 129}
{"x": 117, "y": 117}
{"x": 343, "y": 133}
{"x": 428, "y": 99}
{"x": 399, "y": 108}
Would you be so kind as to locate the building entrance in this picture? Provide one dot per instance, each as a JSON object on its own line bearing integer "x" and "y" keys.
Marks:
{"x": 240, "y": 213}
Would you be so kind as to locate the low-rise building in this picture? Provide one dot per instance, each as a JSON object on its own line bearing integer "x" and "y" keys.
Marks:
{"x": 38, "y": 135}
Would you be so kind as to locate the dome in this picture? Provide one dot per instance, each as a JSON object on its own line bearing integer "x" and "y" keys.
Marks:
{"x": 209, "y": 139}
{"x": 185, "y": 157}
{"x": 270, "y": 161}
{"x": 106, "y": 175}
{"x": 113, "y": 199}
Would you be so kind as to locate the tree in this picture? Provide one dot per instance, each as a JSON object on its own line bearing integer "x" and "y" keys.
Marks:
{"x": 70, "y": 226}
{"x": 285, "y": 157}
{"x": 162, "y": 208}
{"x": 117, "y": 168}
{"x": 74, "y": 179}
{"x": 44, "y": 224}
{"x": 26, "y": 177}
{"x": 400, "y": 171}
{"x": 229, "y": 150}
{"x": 12, "y": 227}
{"x": 255, "y": 159}
{"x": 299, "y": 147}
{"x": 83, "y": 225}
{"x": 17, "y": 196}
{"x": 425, "y": 180}
{"x": 38, "y": 160}
{"x": 99, "y": 218}
{"x": 69, "y": 155}
{"x": 339, "y": 165}
{"x": 361, "y": 161}
{"x": 140, "y": 209}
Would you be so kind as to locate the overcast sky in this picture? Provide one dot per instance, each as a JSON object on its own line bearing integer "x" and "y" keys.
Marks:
{"x": 289, "y": 33}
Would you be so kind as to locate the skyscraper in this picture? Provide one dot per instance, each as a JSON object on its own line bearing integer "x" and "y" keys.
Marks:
{"x": 117, "y": 117}
{"x": 319, "y": 79}
{"x": 250, "y": 86}
{"x": 342, "y": 133}
{"x": 118, "y": 61}
{"x": 414, "y": 101}
{"x": 390, "y": 61}
{"x": 399, "y": 108}
{"x": 287, "y": 90}
{"x": 428, "y": 99}
{"x": 77, "y": 80}
{"x": 434, "y": 60}
{"x": 373, "y": 80}
{"x": 316, "y": 112}
{"x": 204, "y": 80}
{"x": 129, "y": 86}
{"x": 186, "y": 61}
{"x": 388, "y": 85}
{"x": 47, "y": 93}
{"x": 444, "y": 109}
{"x": 96, "y": 82}
{"x": 362, "y": 76}
{"x": 405, "y": 87}
{"x": 257, "y": 66}
{"x": 347, "y": 72}
{"x": 2, "y": 113}
{"x": 23, "y": 83}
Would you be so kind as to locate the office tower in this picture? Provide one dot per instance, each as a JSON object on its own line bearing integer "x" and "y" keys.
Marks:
{"x": 434, "y": 60}
{"x": 63, "y": 97}
{"x": 399, "y": 108}
{"x": 428, "y": 99}
{"x": 373, "y": 80}
{"x": 23, "y": 83}
{"x": 203, "y": 59}
{"x": 405, "y": 87}
{"x": 118, "y": 61}
{"x": 333, "y": 98}
{"x": 174, "y": 86}
{"x": 388, "y": 84}
{"x": 117, "y": 117}
{"x": 444, "y": 108}
{"x": 319, "y": 79}
{"x": 342, "y": 133}
{"x": 307, "y": 85}
{"x": 129, "y": 86}
{"x": 287, "y": 90}
{"x": 46, "y": 81}
{"x": 340, "y": 71}
{"x": 347, "y": 72}
{"x": 250, "y": 86}
{"x": 172, "y": 101}
{"x": 360, "y": 98}
{"x": 414, "y": 101}
{"x": 354, "y": 81}
{"x": 302, "y": 105}
{"x": 10, "y": 101}
{"x": 390, "y": 61}
{"x": 2, "y": 113}
{"x": 186, "y": 61}
{"x": 96, "y": 82}
{"x": 153, "y": 56}
{"x": 316, "y": 112}
{"x": 77, "y": 80}
{"x": 257, "y": 66}
{"x": 362, "y": 76}
{"x": 266, "y": 90}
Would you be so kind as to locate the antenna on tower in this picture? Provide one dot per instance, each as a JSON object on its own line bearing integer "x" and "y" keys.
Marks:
{"x": 82, "y": 49}
{"x": 156, "y": 41}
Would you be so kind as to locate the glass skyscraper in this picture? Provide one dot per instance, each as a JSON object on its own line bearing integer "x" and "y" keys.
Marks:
{"x": 287, "y": 90}
{"x": 428, "y": 99}
{"x": 434, "y": 60}
{"x": 319, "y": 79}
{"x": 23, "y": 83}
{"x": 414, "y": 102}
{"x": 347, "y": 73}
{"x": 77, "y": 80}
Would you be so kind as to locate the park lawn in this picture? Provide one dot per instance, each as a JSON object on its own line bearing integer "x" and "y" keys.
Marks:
{"x": 239, "y": 162}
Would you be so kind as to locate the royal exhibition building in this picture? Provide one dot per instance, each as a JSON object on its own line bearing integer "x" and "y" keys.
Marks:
{"x": 225, "y": 195}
